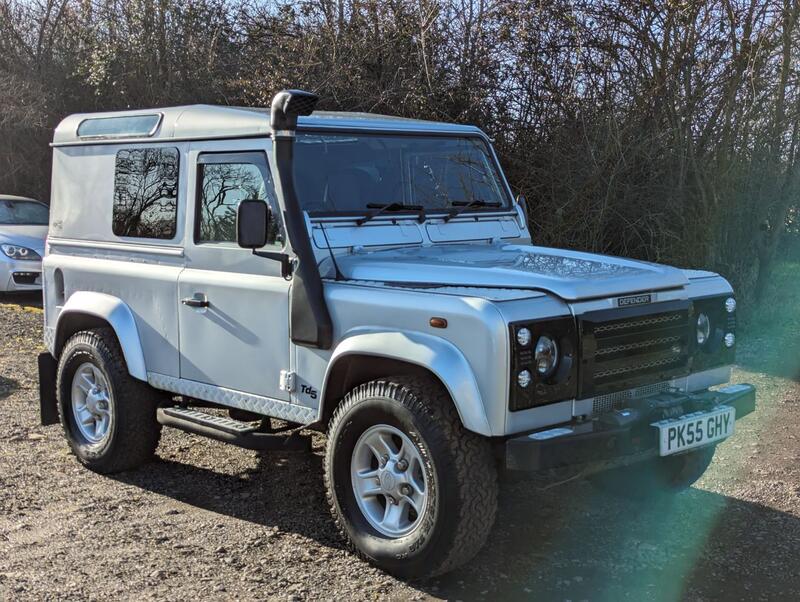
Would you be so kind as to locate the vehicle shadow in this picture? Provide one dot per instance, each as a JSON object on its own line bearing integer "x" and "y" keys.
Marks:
{"x": 284, "y": 490}
{"x": 32, "y": 299}
{"x": 570, "y": 542}
{"x": 576, "y": 543}
{"x": 7, "y": 386}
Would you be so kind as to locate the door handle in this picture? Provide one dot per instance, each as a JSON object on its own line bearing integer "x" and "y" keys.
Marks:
{"x": 199, "y": 300}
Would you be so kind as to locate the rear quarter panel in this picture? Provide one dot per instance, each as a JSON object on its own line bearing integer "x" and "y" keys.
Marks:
{"x": 84, "y": 254}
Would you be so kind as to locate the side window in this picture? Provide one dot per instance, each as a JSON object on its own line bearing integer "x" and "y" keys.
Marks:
{"x": 225, "y": 181}
{"x": 146, "y": 193}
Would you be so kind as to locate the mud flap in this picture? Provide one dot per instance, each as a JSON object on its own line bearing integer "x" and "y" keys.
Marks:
{"x": 48, "y": 409}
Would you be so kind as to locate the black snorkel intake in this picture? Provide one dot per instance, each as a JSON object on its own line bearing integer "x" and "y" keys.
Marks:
{"x": 309, "y": 320}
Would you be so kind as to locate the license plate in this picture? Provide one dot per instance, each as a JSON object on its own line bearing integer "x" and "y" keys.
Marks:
{"x": 695, "y": 430}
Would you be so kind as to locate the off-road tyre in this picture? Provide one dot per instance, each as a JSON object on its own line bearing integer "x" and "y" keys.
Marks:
{"x": 657, "y": 477}
{"x": 135, "y": 431}
{"x": 460, "y": 469}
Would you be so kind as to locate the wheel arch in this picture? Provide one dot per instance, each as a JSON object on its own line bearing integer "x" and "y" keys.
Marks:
{"x": 366, "y": 356}
{"x": 85, "y": 309}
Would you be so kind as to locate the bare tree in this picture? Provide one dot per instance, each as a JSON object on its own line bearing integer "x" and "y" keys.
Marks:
{"x": 663, "y": 130}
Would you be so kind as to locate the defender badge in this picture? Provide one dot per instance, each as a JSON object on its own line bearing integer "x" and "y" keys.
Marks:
{"x": 634, "y": 300}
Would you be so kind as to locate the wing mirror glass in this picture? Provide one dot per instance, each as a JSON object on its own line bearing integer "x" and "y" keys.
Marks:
{"x": 252, "y": 224}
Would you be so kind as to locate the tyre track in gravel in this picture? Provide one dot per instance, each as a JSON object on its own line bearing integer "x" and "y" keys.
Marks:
{"x": 216, "y": 522}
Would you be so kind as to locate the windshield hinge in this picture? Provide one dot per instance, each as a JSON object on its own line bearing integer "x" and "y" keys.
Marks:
{"x": 287, "y": 381}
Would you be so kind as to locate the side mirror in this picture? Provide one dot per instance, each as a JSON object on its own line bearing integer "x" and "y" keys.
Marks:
{"x": 523, "y": 203}
{"x": 252, "y": 224}
{"x": 522, "y": 211}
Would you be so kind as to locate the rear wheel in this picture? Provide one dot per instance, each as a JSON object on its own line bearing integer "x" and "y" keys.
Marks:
{"x": 658, "y": 476}
{"x": 411, "y": 489}
{"x": 108, "y": 416}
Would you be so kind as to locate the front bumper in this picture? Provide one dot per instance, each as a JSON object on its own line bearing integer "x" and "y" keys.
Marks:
{"x": 18, "y": 275}
{"x": 618, "y": 436}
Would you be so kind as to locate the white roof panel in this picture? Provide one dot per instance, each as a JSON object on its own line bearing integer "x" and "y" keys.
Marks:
{"x": 200, "y": 122}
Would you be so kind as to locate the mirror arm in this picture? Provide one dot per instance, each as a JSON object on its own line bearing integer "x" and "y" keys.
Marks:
{"x": 286, "y": 261}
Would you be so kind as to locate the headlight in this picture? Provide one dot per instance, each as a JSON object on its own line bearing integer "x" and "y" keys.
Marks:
{"x": 714, "y": 326}
{"x": 545, "y": 358}
{"x": 703, "y": 329}
{"x": 17, "y": 252}
{"x": 543, "y": 362}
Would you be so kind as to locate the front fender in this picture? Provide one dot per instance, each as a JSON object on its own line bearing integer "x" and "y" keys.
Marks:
{"x": 438, "y": 355}
{"x": 116, "y": 313}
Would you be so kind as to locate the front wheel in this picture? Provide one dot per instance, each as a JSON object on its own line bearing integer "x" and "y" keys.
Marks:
{"x": 411, "y": 489}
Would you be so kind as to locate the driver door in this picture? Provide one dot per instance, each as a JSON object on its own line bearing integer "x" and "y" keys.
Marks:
{"x": 234, "y": 306}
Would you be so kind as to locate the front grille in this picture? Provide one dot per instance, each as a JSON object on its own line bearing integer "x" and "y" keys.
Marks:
{"x": 25, "y": 277}
{"x": 628, "y": 348}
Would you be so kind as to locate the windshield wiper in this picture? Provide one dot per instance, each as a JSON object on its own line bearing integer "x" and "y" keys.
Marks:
{"x": 390, "y": 208}
{"x": 467, "y": 205}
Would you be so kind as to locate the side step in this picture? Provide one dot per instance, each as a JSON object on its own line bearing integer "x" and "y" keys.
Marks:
{"x": 231, "y": 431}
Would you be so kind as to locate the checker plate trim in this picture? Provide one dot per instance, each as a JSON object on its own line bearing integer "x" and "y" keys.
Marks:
{"x": 234, "y": 399}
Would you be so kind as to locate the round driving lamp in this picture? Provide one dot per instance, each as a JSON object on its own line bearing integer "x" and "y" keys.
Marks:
{"x": 730, "y": 340}
{"x": 703, "y": 329}
{"x": 524, "y": 379}
{"x": 545, "y": 356}
{"x": 524, "y": 337}
{"x": 730, "y": 305}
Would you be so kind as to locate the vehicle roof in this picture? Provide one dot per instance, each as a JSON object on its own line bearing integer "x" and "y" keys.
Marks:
{"x": 11, "y": 197}
{"x": 201, "y": 122}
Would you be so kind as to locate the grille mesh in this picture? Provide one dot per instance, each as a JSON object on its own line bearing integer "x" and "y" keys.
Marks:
{"x": 641, "y": 345}
{"x": 665, "y": 361}
{"x": 629, "y": 324}
{"x": 615, "y": 401}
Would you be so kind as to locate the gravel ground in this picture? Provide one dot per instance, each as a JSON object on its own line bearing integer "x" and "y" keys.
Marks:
{"x": 209, "y": 521}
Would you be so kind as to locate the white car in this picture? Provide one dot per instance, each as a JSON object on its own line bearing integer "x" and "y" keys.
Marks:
{"x": 23, "y": 230}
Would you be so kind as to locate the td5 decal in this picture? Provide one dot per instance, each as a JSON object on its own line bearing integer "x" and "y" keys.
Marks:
{"x": 310, "y": 391}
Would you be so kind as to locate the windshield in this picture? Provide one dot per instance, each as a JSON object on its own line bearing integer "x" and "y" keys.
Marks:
{"x": 353, "y": 173}
{"x": 28, "y": 213}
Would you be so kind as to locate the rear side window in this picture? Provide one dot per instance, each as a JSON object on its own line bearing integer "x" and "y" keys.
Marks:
{"x": 119, "y": 127}
{"x": 146, "y": 193}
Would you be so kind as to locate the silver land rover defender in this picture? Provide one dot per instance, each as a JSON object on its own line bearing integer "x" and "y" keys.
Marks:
{"x": 374, "y": 278}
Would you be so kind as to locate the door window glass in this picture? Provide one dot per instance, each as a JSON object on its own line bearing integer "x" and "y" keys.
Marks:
{"x": 222, "y": 187}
